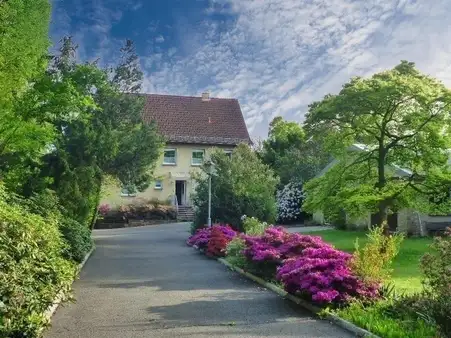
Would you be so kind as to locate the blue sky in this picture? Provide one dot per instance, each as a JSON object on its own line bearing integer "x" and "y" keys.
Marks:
{"x": 275, "y": 56}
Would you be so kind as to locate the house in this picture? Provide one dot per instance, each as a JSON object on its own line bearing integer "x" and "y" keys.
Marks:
{"x": 192, "y": 126}
{"x": 404, "y": 220}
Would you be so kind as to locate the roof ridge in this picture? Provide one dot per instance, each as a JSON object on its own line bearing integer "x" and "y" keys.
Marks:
{"x": 187, "y": 96}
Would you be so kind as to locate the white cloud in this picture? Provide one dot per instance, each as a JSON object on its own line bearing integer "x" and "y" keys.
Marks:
{"x": 278, "y": 56}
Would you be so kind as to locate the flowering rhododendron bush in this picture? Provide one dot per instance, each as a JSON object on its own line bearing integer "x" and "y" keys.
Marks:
{"x": 323, "y": 275}
{"x": 289, "y": 203}
{"x": 268, "y": 251}
{"x": 276, "y": 245}
{"x": 220, "y": 236}
{"x": 203, "y": 236}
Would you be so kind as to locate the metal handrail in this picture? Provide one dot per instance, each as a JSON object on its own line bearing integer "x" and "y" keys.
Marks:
{"x": 175, "y": 203}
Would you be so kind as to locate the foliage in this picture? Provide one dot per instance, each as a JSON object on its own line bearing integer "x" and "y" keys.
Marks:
{"x": 219, "y": 238}
{"x": 200, "y": 238}
{"x": 267, "y": 251}
{"x": 373, "y": 262}
{"x": 252, "y": 226}
{"x": 24, "y": 27}
{"x": 242, "y": 185}
{"x": 78, "y": 239}
{"x": 379, "y": 319}
{"x": 32, "y": 269}
{"x": 406, "y": 271}
{"x": 323, "y": 275}
{"x": 104, "y": 209}
{"x": 234, "y": 252}
{"x": 373, "y": 127}
{"x": 436, "y": 267}
{"x": 289, "y": 203}
{"x": 290, "y": 154}
{"x": 203, "y": 236}
{"x": 143, "y": 209}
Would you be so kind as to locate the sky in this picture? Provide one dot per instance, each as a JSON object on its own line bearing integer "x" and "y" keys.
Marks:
{"x": 274, "y": 56}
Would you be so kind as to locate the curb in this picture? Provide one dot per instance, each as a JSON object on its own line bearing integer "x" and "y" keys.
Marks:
{"x": 358, "y": 331}
{"x": 60, "y": 295}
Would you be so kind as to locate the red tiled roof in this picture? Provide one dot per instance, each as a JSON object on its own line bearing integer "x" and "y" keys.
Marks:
{"x": 188, "y": 119}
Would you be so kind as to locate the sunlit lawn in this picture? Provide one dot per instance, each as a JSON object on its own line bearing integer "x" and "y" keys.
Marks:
{"x": 406, "y": 274}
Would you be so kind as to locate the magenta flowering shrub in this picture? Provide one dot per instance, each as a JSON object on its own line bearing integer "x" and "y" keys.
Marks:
{"x": 202, "y": 236}
{"x": 268, "y": 251}
{"x": 323, "y": 275}
{"x": 276, "y": 245}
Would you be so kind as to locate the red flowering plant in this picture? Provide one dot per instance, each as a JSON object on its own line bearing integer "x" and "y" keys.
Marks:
{"x": 220, "y": 235}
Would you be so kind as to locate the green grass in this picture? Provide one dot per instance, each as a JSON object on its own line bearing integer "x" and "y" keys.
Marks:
{"x": 406, "y": 274}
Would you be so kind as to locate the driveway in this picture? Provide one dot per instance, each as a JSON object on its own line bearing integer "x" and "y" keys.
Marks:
{"x": 145, "y": 282}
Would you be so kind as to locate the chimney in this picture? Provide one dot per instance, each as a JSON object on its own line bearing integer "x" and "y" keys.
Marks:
{"x": 205, "y": 96}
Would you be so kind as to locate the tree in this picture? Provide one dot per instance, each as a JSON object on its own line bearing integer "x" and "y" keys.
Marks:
{"x": 24, "y": 26}
{"x": 24, "y": 41}
{"x": 401, "y": 120}
{"x": 290, "y": 154}
{"x": 98, "y": 131}
{"x": 242, "y": 185}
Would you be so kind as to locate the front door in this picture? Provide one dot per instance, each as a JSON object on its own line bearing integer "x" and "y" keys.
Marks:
{"x": 180, "y": 192}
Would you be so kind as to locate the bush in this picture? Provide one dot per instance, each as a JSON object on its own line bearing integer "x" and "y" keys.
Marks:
{"x": 78, "y": 239}
{"x": 241, "y": 185}
{"x": 323, "y": 276}
{"x": 252, "y": 226}
{"x": 289, "y": 203}
{"x": 234, "y": 252}
{"x": 219, "y": 238}
{"x": 202, "y": 237}
{"x": 436, "y": 267}
{"x": 373, "y": 261}
{"x": 32, "y": 270}
{"x": 267, "y": 251}
{"x": 380, "y": 319}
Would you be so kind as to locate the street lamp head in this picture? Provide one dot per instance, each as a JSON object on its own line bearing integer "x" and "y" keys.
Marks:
{"x": 209, "y": 166}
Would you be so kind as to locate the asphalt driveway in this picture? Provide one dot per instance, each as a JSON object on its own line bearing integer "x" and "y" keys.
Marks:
{"x": 145, "y": 282}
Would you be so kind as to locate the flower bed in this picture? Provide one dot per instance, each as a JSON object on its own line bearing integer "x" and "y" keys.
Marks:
{"x": 305, "y": 265}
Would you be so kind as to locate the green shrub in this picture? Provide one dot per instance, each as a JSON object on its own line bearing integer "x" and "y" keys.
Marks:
{"x": 32, "y": 270}
{"x": 373, "y": 261}
{"x": 78, "y": 239}
{"x": 380, "y": 319}
{"x": 252, "y": 226}
{"x": 234, "y": 252}
{"x": 436, "y": 267}
{"x": 242, "y": 185}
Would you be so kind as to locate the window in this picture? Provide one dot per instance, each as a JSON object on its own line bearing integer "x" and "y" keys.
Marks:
{"x": 128, "y": 192}
{"x": 198, "y": 157}
{"x": 228, "y": 153}
{"x": 158, "y": 185}
{"x": 170, "y": 157}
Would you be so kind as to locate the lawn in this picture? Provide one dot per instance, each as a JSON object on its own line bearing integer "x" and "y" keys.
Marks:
{"x": 406, "y": 274}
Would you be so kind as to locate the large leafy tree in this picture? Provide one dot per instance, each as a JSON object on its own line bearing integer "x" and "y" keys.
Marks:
{"x": 99, "y": 131}
{"x": 398, "y": 121}
{"x": 288, "y": 151}
{"x": 241, "y": 185}
{"x": 23, "y": 47}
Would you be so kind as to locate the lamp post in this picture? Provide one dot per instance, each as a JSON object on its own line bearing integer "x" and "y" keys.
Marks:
{"x": 209, "y": 167}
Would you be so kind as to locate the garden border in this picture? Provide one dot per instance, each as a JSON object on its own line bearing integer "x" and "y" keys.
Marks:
{"x": 358, "y": 331}
{"x": 48, "y": 314}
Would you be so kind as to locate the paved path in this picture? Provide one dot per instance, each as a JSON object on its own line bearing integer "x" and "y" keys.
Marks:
{"x": 145, "y": 282}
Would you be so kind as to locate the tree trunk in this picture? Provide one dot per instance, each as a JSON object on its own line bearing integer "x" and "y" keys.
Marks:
{"x": 96, "y": 204}
{"x": 383, "y": 217}
{"x": 383, "y": 206}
